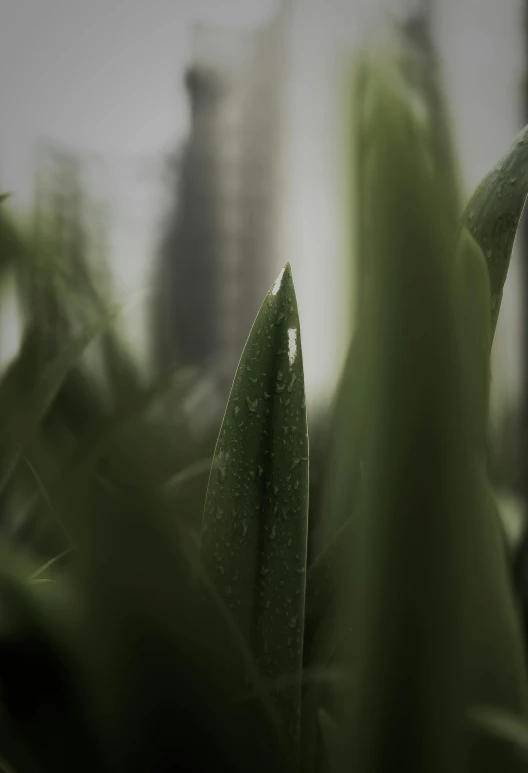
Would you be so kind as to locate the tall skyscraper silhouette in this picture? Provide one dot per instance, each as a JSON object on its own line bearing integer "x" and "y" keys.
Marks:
{"x": 222, "y": 247}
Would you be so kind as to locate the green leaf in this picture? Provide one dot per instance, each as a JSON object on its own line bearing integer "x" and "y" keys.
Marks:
{"x": 498, "y": 740}
{"x": 119, "y": 369}
{"x": 255, "y": 519}
{"x": 13, "y": 248}
{"x": 330, "y": 603}
{"x": 471, "y": 295}
{"x": 420, "y": 78}
{"x": 493, "y": 214}
{"x": 421, "y": 64}
{"x": 39, "y": 678}
{"x": 21, "y": 414}
{"x": 141, "y": 592}
{"x": 323, "y": 599}
{"x": 77, "y": 436}
{"x": 333, "y": 740}
{"x": 341, "y": 476}
{"x": 424, "y": 644}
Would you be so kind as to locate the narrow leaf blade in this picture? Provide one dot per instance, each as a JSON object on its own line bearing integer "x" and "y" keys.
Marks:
{"x": 255, "y": 519}
{"x": 494, "y": 212}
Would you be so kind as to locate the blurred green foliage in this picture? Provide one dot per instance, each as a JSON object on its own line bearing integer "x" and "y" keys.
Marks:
{"x": 160, "y": 604}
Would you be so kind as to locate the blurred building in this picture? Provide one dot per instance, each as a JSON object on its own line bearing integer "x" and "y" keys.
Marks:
{"x": 221, "y": 250}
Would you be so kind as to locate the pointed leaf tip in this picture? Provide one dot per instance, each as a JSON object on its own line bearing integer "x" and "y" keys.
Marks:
{"x": 254, "y": 529}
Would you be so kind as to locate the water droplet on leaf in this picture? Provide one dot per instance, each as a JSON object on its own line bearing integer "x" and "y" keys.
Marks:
{"x": 252, "y": 404}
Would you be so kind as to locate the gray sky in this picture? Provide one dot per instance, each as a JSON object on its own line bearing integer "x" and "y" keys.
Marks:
{"x": 105, "y": 76}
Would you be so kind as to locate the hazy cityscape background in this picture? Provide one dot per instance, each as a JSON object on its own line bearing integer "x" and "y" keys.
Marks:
{"x": 209, "y": 144}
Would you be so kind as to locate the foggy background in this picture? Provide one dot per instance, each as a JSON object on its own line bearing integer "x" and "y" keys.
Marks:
{"x": 105, "y": 81}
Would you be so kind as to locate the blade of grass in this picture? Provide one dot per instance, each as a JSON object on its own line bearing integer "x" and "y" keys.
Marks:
{"x": 493, "y": 214}
{"x": 21, "y": 417}
{"x": 254, "y": 530}
{"x": 429, "y": 548}
{"x": 143, "y": 594}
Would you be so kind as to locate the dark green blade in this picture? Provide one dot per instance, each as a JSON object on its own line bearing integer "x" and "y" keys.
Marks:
{"x": 422, "y": 642}
{"x": 421, "y": 63}
{"x": 493, "y": 214}
{"x": 341, "y": 476}
{"x": 255, "y": 519}
{"x": 160, "y": 690}
{"x": 49, "y": 724}
{"x": 416, "y": 56}
{"x": 42, "y": 380}
{"x": 330, "y": 586}
{"x": 498, "y": 740}
{"x": 333, "y": 741}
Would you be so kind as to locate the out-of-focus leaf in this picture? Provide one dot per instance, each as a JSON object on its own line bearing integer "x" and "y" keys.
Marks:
{"x": 330, "y": 590}
{"x": 333, "y": 740}
{"x": 38, "y": 679}
{"x": 472, "y": 293}
{"x": 180, "y": 479}
{"x": 120, "y": 371}
{"x": 73, "y": 444}
{"x": 418, "y": 64}
{"x": 255, "y": 518}
{"x": 21, "y": 417}
{"x": 333, "y": 568}
{"x": 13, "y": 248}
{"x": 421, "y": 639}
{"x": 498, "y": 740}
{"x": 341, "y": 477}
{"x": 493, "y": 214}
{"x": 421, "y": 65}
{"x": 162, "y": 692}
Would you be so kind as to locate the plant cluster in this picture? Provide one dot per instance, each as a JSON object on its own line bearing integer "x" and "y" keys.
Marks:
{"x": 154, "y": 642}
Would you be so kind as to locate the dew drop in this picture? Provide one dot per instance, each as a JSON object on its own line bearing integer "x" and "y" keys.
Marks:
{"x": 252, "y": 404}
{"x": 292, "y": 344}
{"x": 276, "y": 287}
